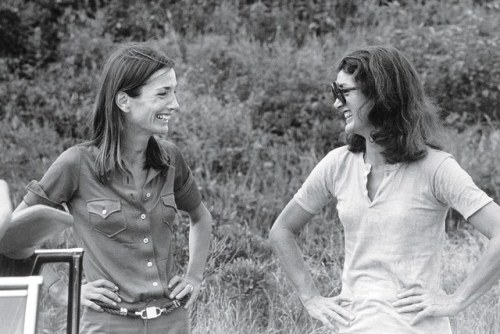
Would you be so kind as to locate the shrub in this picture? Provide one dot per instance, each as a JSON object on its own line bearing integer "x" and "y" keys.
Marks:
{"x": 27, "y": 151}
{"x": 456, "y": 50}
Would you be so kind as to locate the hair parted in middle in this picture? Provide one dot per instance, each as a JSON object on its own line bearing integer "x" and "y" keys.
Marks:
{"x": 126, "y": 70}
{"x": 405, "y": 119}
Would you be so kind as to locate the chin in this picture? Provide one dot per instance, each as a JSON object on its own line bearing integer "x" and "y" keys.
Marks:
{"x": 163, "y": 129}
{"x": 348, "y": 129}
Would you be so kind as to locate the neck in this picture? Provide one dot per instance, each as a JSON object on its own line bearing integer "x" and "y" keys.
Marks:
{"x": 134, "y": 148}
{"x": 373, "y": 154}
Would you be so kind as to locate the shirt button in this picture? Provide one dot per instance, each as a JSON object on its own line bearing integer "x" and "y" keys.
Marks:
{"x": 148, "y": 195}
{"x": 155, "y": 283}
{"x": 146, "y": 240}
{"x": 150, "y": 264}
{"x": 143, "y": 216}
{"x": 104, "y": 211}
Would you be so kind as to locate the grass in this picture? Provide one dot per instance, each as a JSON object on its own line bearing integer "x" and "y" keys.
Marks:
{"x": 255, "y": 119}
{"x": 254, "y": 296}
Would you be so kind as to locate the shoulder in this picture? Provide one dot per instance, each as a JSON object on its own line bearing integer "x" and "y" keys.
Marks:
{"x": 335, "y": 161}
{"x": 70, "y": 156}
{"x": 433, "y": 159}
{"x": 339, "y": 156}
{"x": 79, "y": 154}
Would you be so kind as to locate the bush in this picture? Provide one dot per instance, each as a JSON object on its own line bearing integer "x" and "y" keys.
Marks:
{"x": 27, "y": 151}
{"x": 456, "y": 49}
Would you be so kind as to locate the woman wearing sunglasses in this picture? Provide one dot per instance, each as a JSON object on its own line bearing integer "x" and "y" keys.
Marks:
{"x": 393, "y": 187}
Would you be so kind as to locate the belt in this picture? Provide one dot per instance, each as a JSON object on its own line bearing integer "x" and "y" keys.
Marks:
{"x": 148, "y": 313}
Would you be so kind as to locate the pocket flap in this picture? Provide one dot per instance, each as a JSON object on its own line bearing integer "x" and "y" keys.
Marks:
{"x": 103, "y": 207}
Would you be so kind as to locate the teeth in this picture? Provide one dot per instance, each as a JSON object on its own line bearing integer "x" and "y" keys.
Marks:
{"x": 347, "y": 114}
{"x": 163, "y": 117}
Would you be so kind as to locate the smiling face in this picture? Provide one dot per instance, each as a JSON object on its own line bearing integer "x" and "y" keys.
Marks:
{"x": 149, "y": 112}
{"x": 356, "y": 108}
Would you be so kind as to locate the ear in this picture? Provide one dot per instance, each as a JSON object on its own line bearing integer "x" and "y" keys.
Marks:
{"x": 122, "y": 101}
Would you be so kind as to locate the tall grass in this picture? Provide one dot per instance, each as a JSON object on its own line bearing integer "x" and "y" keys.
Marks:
{"x": 256, "y": 116}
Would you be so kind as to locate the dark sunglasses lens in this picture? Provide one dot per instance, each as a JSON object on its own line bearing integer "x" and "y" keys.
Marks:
{"x": 337, "y": 93}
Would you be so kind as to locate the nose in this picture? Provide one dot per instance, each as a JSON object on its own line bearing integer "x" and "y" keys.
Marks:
{"x": 337, "y": 104}
{"x": 174, "y": 105}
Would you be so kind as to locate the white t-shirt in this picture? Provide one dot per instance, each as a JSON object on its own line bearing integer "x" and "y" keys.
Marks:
{"x": 394, "y": 241}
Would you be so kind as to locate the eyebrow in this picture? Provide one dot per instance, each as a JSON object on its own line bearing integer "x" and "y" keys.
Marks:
{"x": 166, "y": 87}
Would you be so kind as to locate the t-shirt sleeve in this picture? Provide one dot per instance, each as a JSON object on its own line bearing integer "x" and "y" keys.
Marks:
{"x": 187, "y": 194}
{"x": 455, "y": 188}
{"x": 58, "y": 184}
{"x": 319, "y": 188}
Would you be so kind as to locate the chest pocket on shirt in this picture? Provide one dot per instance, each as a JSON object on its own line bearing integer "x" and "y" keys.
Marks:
{"x": 106, "y": 216}
{"x": 169, "y": 210}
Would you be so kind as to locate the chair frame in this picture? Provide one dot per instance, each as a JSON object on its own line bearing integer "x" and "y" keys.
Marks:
{"x": 74, "y": 257}
{"x": 28, "y": 287}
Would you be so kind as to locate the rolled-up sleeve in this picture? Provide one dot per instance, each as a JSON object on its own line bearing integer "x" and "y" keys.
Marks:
{"x": 58, "y": 184}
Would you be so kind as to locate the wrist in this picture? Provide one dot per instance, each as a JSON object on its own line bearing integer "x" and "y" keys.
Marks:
{"x": 306, "y": 298}
{"x": 460, "y": 302}
{"x": 196, "y": 277}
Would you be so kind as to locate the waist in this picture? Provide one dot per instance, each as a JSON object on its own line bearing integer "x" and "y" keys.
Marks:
{"x": 365, "y": 288}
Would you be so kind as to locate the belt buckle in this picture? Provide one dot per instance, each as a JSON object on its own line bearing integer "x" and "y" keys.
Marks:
{"x": 150, "y": 313}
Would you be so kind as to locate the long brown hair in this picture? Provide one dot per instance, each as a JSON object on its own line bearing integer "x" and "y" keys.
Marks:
{"x": 404, "y": 117}
{"x": 126, "y": 70}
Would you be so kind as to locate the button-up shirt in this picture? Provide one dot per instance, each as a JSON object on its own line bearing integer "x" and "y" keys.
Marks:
{"x": 394, "y": 240}
{"x": 127, "y": 234}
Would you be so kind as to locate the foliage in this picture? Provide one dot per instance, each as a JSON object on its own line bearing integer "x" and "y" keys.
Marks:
{"x": 256, "y": 116}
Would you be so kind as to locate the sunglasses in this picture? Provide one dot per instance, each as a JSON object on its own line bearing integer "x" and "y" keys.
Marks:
{"x": 338, "y": 93}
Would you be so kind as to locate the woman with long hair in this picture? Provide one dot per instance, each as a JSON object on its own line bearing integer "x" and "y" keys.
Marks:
{"x": 124, "y": 188}
{"x": 393, "y": 186}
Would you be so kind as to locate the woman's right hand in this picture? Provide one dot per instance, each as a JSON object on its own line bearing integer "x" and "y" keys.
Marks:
{"x": 101, "y": 290}
{"x": 328, "y": 311}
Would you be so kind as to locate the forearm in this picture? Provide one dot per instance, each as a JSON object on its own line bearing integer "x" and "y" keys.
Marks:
{"x": 10, "y": 245}
{"x": 482, "y": 277}
{"x": 199, "y": 242}
{"x": 285, "y": 246}
{"x": 5, "y": 217}
{"x": 5, "y": 208}
{"x": 31, "y": 225}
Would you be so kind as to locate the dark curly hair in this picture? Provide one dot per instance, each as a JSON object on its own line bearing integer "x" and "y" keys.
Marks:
{"x": 405, "y": 119}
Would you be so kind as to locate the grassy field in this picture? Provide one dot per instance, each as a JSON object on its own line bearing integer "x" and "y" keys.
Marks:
{"x": 256, "y": 116}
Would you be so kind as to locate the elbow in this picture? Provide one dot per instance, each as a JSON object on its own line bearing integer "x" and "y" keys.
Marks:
{"x": 206, "y": 222}
{"x": 276, "y": 234}
{"x": 273, "y": 233}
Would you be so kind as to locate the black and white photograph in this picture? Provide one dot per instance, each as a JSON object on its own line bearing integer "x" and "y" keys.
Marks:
{"x": 249, "y": 166}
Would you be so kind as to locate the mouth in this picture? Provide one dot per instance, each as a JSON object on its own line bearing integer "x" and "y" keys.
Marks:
{"x": 347, "y": 115}
{"x": 163, "y": 117}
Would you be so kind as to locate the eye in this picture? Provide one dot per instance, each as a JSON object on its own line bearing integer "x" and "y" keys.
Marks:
{"x": 164, "y": 92}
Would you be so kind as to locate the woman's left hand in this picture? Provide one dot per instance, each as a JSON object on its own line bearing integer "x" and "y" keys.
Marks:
{"x": 428, "y": 303}
{"x": 184, "y": 286}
